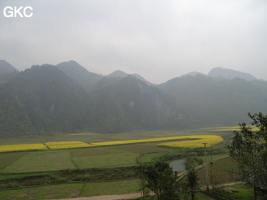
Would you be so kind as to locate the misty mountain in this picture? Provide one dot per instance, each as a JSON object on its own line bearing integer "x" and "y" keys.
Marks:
{"x": 118, "y": 73}
{"x": 48, "y": 101}
{"x": 121, "y": 74}
{"x": 43, "y": 99}
{"x": 79, "y": 74}
{"x": 192, "y": 74}
{"x": 7, "y": 72}
{"x": 216, "y": 102}
{"x": 13, "y": 116}
{"x": 131, "y": 104}
{"x": 6, "y": 68}
{"x": 68, "y": 98}
{"x": 220, "y": 72}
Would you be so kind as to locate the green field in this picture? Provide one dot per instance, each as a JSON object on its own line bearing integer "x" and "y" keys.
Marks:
{"x": 35, "y": 163}
{"x": 109, "y": 160}
{"x": 93, "y": 157}
{"x": 43, "y": 192}
{"x": 41, "y": 161}
{"x": 111, "y": 187}
{"x": 72, "y": 190}
{"x": 8, "y": 158}
{"x": 239, "y": 191}
{"x": 221, "y": 171}
{"x": 96, "y": 151}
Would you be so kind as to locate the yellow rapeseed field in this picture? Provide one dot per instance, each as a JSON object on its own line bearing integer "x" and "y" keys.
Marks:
{"x": 22, "y": 147}
{"x": 232, "y": 128}
{"x": 135, "y": 141}
{"x": 192, "y": 142}
{"x": 195, "y": 141}
{"x": 67, "y": 144}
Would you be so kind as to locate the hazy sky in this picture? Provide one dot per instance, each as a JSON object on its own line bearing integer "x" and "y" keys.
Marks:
{"x": 158, "y": 39}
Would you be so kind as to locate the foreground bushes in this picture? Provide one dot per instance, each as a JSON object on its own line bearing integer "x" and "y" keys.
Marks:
{"x": 67, "y": 176}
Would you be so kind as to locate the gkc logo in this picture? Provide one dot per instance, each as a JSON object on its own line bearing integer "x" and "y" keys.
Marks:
{"x": 18, "y": 11}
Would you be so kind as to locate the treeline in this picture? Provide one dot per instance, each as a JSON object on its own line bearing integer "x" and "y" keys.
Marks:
{"x": 68, "y": 176}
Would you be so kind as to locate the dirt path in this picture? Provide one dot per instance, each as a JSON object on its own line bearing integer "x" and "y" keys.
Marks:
{"x": 108, "y": 197}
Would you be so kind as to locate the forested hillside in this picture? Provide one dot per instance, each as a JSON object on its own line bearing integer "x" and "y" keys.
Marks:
{"x": 217, "y": 101}
{"x": 44, "y": 99}
{"x": 68, "y": 98}
{"x": 123, "y": 104}
{"x": 79, "y": 74}
{"x": 6, "y": 68}
{"x": 47, "y": 99}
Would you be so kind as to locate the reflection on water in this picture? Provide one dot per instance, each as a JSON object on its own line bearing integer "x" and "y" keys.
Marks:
{"x": 177, "y": 165}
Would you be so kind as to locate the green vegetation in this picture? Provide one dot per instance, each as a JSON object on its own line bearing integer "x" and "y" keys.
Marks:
{"x": 239, "y": 191}
{"x": 66, "y": 176}
{"x": 41, "y": 161}
{"x": 8, "y": 158}
{"x": 249, "y": 149}
{"x": 159, "y": 178}
{"x": 72, "y": 190}
{"x": 102, "y": 163}
{"x": 94, "y": 151}
{"x": 151, "y": 157}
{"x": 110, "y": 160}
{"x": 221, "y": 171}
{"x": 43, "y": 192}
{"x": 39, "y": 104}
{"x": 217, "y": 101}
{"x": 142, "y": 148}
{"x": 67, "y": 98}
{"x": 192, "y": 180}
{"x": 111, "y": 187}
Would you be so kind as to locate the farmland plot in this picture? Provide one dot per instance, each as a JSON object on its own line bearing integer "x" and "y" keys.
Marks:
{"x": 22, "y": 147}
{"x": 110, "y": 160}
{"x": 142, "y": 148}
{"x": 41, "y": 161}
{"x": 94, "y": 151}
{"x": 44, "y": 192}
{"x": 8, "y": 158}
{"x": 111, "y": 187}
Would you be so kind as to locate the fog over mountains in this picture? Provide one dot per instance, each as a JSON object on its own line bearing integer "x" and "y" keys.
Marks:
{"x": 68, "y": 98}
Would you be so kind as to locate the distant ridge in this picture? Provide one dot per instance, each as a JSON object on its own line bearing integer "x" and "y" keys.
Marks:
{"x": 117, "y": 73}
{"x": 121, "y": 74}
{"x": 79, "y": 74}
{"x": 220, "y": 72}
{"x": 6, "y": 68}
{"x": 192, "y": 74}
{"x": 51, "y": 99}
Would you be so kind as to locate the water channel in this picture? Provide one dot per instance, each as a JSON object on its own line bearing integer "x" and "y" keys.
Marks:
{"x": 178, "y": 165}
